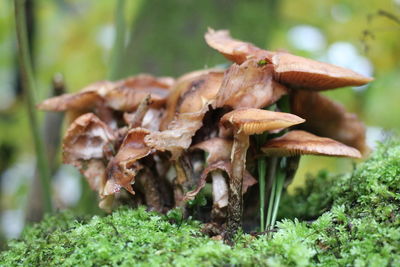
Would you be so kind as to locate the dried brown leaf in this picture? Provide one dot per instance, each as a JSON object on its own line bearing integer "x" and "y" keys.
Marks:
{"x": 123, "y": 168}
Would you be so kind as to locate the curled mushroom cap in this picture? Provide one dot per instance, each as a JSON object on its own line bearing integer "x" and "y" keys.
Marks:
{"x": 86, "y": 99}
{"x": 298, "y": 142}
{"x": 87, "y": 144}
{"x": 200, "y": 92}
{"x": 304, "y": 73}
{"x": 234, "y": 50}
{"x": 191, "y": 86}
{"x": 249, "y": 85}
{"x": 255, "y": 121}
{"x": 128, "y": 93}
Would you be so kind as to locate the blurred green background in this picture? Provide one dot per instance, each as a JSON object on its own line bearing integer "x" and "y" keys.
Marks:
{"x": 79, "y": 39}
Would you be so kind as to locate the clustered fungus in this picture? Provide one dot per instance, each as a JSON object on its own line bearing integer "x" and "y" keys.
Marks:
{"x": 156, "y": 141}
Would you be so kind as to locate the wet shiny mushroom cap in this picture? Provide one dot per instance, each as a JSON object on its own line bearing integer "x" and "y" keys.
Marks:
{"x": 304, "y": 73}
{"x": 256, "y": 121}
{"x": 298, "y": 142}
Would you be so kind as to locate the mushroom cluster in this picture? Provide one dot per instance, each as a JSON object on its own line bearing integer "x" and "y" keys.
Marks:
{"x": 157, "y": 141}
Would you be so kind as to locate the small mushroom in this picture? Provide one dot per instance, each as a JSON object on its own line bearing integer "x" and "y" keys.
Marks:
{"x": 244, "y": 123}
{"x": 292, "y": 145}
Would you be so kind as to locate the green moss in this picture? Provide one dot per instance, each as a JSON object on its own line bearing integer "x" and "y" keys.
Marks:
{"x": 361, "y": 228}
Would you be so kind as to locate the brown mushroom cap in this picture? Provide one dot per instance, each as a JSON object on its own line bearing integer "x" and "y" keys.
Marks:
{"x": 128, "y": 93}
{"x": 86, "y": 99}
{"x": 87, "y": 145}
{"x": 304, "y": 73}
{"x": 299, "y": 142}
{"x": 234, "y": 50}
{"x": 200, "y": 92}
{"x": 185, "y": 84}
{"x": 256, "y": 121}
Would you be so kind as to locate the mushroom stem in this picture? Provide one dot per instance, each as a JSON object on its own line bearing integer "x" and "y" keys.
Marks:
{"x": 220, "y": 195}
{"x": 219, "y": 189}
{"x": 178, "y": 183}
{"x": 235, "y": 204}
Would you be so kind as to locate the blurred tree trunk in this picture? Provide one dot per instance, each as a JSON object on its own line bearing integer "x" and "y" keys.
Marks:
{"x": 166, "y": 38}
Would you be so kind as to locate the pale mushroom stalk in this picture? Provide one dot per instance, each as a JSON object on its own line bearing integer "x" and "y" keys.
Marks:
{"x": 235, "y": 205}
{"x": 219, "y": 187}
{"x": 180, "y": 180}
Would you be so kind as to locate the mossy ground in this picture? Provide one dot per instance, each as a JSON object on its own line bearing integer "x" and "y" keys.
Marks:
{"x": 355, "y": 222}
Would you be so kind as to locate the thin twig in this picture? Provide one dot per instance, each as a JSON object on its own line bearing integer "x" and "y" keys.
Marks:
{"x": 28, "y": 84}
{"x": 140, "y": 112}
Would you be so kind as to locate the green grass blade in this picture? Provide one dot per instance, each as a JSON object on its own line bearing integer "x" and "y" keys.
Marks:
{"x": 28, "y": 84}
{"x": 280, "y": 180}
{"x": 262, "y": 162}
